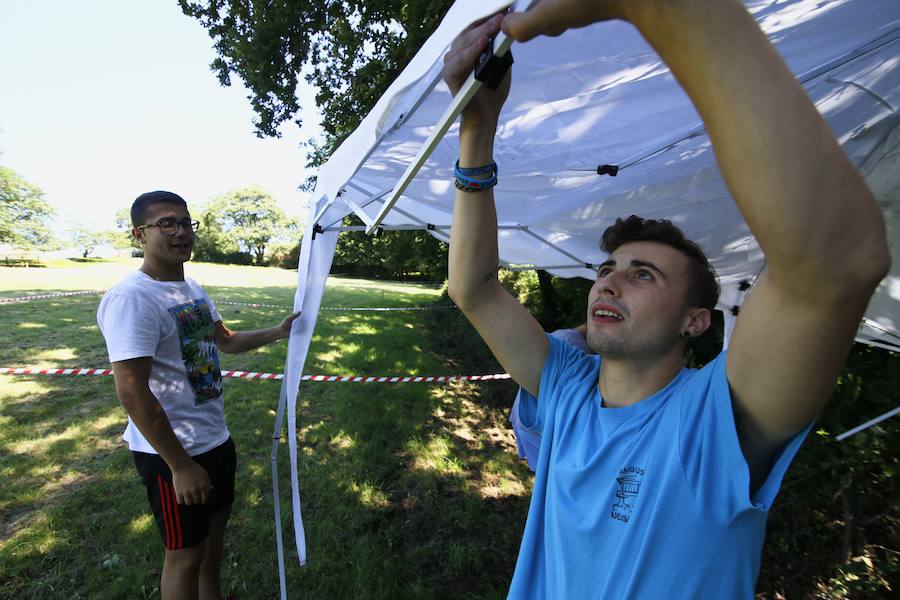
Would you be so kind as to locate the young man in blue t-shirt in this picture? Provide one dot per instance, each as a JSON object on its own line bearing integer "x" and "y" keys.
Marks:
{"x": 654, "y": 481}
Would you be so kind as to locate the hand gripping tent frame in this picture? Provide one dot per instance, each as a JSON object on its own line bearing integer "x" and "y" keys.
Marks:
{"x": 596, "y": 128}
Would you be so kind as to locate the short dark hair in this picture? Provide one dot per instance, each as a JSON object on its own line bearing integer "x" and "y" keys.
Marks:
{"x": 703, "y": 290}
{"x": 144, "y": 201}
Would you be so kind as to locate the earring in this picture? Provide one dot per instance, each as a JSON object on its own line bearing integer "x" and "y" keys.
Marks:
{"x": 685, "y": 334}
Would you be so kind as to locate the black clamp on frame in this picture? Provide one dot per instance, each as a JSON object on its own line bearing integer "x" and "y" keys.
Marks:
{"x": 611, "y": 170}
{"x": 491, "y": 69}
{"x": 316, "y": 230}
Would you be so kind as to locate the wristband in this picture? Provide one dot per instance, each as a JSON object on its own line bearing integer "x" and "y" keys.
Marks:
{"x": 465, "y": 181}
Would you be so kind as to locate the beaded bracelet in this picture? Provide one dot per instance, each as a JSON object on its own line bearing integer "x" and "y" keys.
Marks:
{"x": 466, "y": 183}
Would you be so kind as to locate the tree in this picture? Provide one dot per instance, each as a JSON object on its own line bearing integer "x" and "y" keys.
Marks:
{"x": 350, "y": 50}
{"x": 24, "y": 214}
{"x": 121, "y": 237}
{"x": 87, "y": 239}
{"x": 248, "y": 217}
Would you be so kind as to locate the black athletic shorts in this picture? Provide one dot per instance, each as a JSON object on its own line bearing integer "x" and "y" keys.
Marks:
{"x": 183, "y": 526}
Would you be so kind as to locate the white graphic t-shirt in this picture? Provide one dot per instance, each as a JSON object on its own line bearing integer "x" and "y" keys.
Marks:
{"x": 174, "y": 323}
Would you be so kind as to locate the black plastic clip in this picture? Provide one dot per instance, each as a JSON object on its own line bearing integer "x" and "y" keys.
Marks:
{"x": 316, "y": 230}
{"x": 588, "y": 266}
{"x": 429, "y": 226}
{"x": 611, "y": 170}
{"x": 744, "y": 285}
{"x": 491, "y": 69}
{"x": 379, "y": 231}
{"x": 735, "y": 310}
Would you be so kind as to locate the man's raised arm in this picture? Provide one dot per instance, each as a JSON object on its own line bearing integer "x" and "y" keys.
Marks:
{"x": 817, "y": 222}
{"x": 509, "y": 330}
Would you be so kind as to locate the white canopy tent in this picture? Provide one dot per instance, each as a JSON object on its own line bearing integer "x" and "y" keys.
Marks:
{"x": 600, "y": 96}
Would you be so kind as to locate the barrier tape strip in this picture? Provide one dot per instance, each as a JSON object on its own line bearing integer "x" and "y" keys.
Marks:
{"x": 55, "y": 295}
{"x": 252, "y": 304}
{"x": 362, "y": 308}
{"x": 279, "y": 376}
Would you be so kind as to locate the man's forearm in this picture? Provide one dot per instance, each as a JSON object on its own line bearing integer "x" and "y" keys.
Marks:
{"x": 241, "y": 341}
{"x": 150, "y": 418}
{"x": 804, "y": 201}
{"x": 473, "y": 256}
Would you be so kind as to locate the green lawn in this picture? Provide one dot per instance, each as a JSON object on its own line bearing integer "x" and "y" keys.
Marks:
{"x": 409, "y": 490}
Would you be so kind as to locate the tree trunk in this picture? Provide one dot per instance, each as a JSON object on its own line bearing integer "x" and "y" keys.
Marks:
{"x": 550, "y": 317}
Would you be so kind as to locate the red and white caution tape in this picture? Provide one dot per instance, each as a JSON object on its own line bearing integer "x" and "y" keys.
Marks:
{"x": 251, "y": 304}
{"x": 279, "y": 376}
{"x": 358, "y": 308}
{"x": 55, "y": 295}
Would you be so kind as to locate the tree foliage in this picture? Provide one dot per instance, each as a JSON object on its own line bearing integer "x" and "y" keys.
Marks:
{"x": 86, "y": 240}
{"x": 245, "y": 220}
{"x": 350, "y": 51}
{"x": 393, "y": 255}
{"x": 122, "y": 237}
{"x": 24, "y": 214}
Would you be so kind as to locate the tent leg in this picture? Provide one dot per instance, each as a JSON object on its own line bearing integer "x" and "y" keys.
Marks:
{"x": 276, "y": 496}
{"x": 868, "y": 424}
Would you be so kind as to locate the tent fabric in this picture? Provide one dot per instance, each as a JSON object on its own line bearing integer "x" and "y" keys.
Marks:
{"x": 572, "y": 109}
{"x": 600, "y": 95}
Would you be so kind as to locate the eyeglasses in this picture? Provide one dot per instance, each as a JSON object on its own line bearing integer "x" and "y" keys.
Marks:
{"x": 170, "y": 226}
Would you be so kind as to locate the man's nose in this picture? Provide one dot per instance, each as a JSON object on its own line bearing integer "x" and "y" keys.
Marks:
{"x": 609, "y": 284}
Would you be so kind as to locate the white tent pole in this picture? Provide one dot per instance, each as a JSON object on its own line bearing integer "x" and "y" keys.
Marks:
{"x": 868, "y": 424}
{"x": 510, "y": 267}
{"x": 359, "y": 209}
{"x": 875, "y": 344}
{"x": 555, "y": 247}
{"x": 276, "y": 494}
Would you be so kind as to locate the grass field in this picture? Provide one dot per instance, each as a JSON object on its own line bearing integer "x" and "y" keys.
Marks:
{"x": 409, "y": 491}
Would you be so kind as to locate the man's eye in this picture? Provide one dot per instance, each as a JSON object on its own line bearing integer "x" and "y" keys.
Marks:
{"x": 603, "y": 272}
{"x": 645, "y": 275}
{"x": 166, "y": 222}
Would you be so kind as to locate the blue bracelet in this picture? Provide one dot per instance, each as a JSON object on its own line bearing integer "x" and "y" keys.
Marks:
{"x": 466, "y": 183}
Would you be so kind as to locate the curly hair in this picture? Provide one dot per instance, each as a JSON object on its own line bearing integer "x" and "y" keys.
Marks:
{"x": 703, "y": 290}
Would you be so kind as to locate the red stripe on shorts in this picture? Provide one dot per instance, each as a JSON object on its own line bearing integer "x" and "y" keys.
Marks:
{"x": 164, "y": 503}
{"x": 178, "y": 543}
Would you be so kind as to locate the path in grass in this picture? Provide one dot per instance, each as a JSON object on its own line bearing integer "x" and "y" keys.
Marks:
{"x": 409, "y": 490}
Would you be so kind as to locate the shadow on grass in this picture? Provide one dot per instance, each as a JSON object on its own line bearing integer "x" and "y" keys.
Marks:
{"x": 408, "y": 490}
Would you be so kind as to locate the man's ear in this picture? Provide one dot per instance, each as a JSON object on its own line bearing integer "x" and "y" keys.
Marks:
{"x": 697, "y": 321}
{"x": 138, "y": 234}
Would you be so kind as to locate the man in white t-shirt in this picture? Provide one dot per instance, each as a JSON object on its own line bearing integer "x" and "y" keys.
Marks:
{"x": 163, "y": 334}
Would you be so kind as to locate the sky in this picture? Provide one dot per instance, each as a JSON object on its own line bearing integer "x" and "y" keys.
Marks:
{"x": 102, "y": 100}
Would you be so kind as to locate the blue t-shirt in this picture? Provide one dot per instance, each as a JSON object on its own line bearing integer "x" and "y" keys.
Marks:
{"x": 645, "y": 501}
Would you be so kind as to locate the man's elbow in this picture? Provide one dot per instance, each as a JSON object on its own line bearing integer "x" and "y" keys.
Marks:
{"x": 134, "y": 403}
{"x": 873, "y": 260}
{"x": 464, "y": 295}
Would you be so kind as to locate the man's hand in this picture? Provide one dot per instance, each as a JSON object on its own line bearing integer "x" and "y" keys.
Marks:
{"x": 287, "y": 322}
{"x": 484, "y": 108}
{"x": 553, "y": 17}
{"x": 191, "y": 483}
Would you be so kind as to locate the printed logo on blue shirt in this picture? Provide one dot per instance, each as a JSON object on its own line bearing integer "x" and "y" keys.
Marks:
{"x": 629, "y": 486}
